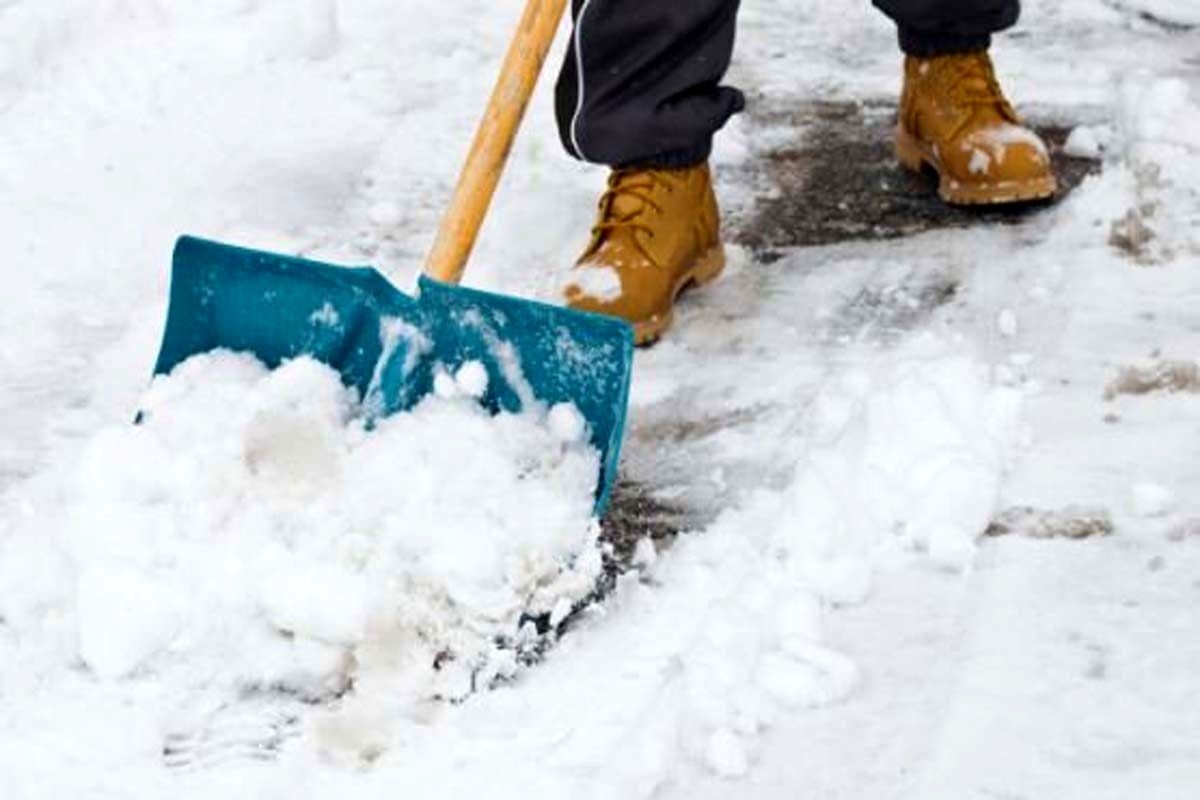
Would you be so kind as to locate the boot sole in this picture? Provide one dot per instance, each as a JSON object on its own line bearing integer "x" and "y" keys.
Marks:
{"x": 707, "y": 269}
{"x": 914, "y": 155}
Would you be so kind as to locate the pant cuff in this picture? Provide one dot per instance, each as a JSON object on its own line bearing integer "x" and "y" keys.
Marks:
{"x": 672, "y": 159}
{"x": 926, "y": 44}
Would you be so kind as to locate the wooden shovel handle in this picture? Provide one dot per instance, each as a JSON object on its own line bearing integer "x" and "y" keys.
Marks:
{"x": 493, "y": 140}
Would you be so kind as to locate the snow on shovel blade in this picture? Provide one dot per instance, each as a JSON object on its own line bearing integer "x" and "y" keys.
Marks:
{"x": 389, "y": 345}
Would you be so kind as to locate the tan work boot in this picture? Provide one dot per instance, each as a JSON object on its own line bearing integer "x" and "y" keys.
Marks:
{"x": 954, "y": 117}
{"x": 657, "y": 233}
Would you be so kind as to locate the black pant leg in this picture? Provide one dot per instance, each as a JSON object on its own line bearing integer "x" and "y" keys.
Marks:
{"x": 641, "y": 81}
{"x": 940, "y": 27}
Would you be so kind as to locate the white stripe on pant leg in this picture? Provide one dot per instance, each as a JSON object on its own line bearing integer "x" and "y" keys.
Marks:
{"x": 579, "y": 79}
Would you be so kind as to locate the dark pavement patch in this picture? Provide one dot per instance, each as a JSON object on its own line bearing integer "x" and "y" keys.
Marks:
{"x": 838, "y": 180}
{"x": 636, "y": 514}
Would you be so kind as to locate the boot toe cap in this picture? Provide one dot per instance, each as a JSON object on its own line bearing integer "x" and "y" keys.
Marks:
{"x": 1004, "y": 154}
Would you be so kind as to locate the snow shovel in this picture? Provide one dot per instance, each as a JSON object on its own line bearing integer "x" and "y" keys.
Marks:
{"x": 389, "y": 345}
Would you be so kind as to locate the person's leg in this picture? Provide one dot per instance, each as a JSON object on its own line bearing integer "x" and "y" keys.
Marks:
{"x": 953, "y": 115}
{"x": 641, "y": 92}
{"x": 640, "y": 84}
{"x": 942, "y": 27}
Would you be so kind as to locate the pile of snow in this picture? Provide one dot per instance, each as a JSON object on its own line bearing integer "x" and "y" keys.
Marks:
{"x": 251, "y": 537}
{"x": 723, "y": 637}
{"x": 912, "y": 462}
{"x": 253, "y": 533}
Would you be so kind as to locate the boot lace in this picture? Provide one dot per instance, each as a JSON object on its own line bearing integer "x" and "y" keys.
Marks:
{"x": 971, "y": 82}
{"x": 637, "y": 184}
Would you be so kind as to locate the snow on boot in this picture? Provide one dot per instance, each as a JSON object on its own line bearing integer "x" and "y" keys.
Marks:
{"x": 955, "y": 118}
{"x": 658, "y": 232}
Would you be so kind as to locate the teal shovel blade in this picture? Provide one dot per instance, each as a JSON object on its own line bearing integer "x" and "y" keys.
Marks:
{"x": 389, "y": 345}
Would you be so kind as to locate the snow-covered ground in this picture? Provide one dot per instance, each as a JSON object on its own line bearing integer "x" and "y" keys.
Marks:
{"x": 838, "y": 435}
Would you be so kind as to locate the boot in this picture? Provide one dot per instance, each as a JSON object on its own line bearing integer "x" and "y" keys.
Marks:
{"x": 955, "y": 118}
{"x": 657, "y": 233}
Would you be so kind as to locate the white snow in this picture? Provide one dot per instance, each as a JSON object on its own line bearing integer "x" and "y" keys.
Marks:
{"x": 566, "y": 422}
{"x": 252, "y": 522}
{"x": 472, "y": 379}
{"x": 599, "y": 283}
{"x": 1006, "y": 323}
{"x": 726, "y": 756}
{"x": 1152, "y": 500}
{"x": 1088, "y": 141}
{"x": 246, "y": 594}
{"x": 991, "y": 145}
{"x": 980, "y": 161}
